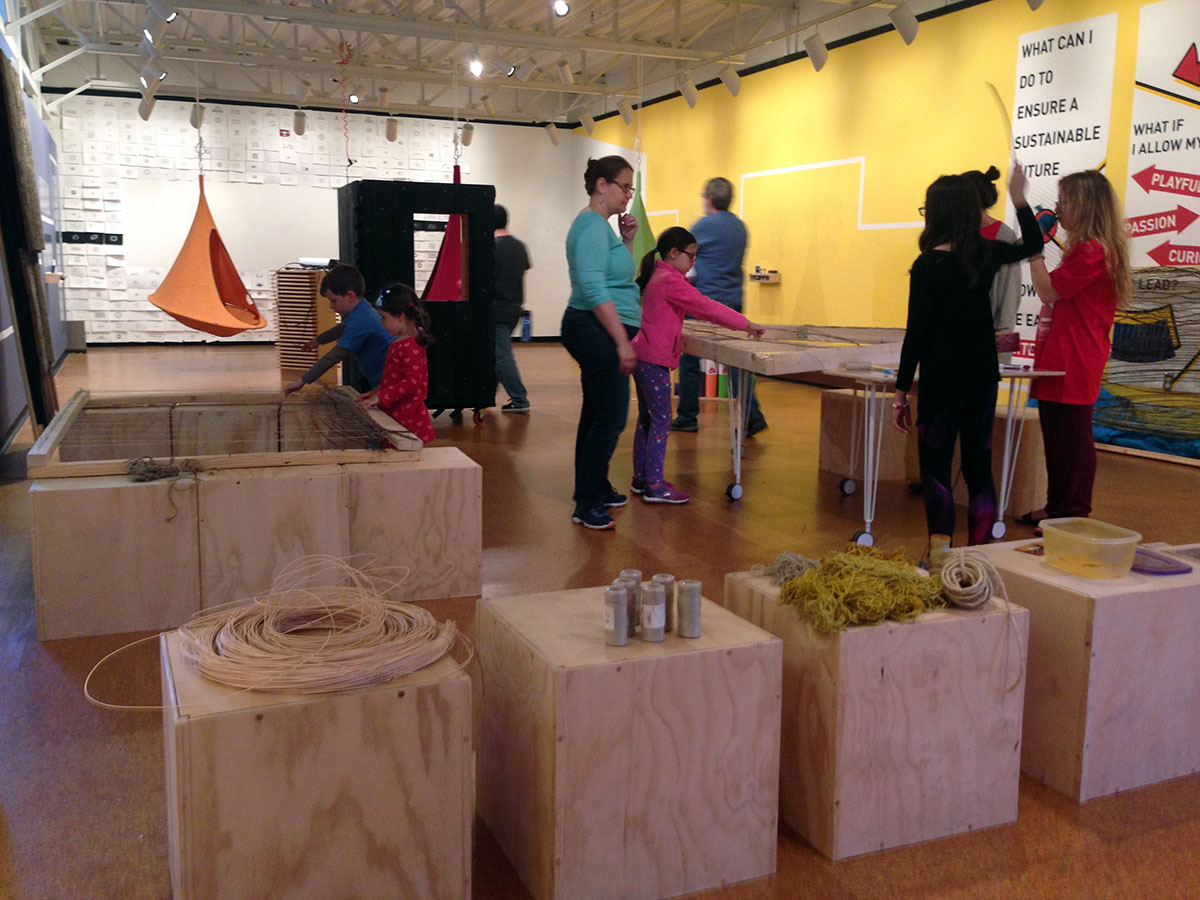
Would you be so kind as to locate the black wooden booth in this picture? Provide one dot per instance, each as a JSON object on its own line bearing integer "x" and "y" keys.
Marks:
{"x": 377, "y": 223}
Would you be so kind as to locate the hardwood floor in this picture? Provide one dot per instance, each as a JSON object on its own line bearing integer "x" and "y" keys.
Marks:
{"x": 82, "y": 809}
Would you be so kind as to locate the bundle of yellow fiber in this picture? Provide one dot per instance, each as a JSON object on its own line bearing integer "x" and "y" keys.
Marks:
{"x": 861, "y": 586}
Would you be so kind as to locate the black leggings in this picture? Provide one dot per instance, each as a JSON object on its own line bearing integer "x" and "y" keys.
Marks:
{"x": 971, "y": 422}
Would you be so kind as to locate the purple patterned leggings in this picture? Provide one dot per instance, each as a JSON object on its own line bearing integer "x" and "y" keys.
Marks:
{"x": 653, "y": 385}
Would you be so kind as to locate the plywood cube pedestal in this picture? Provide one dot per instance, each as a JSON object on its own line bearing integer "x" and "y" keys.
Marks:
{"x": 112, "y": 555}
{"x": 363, "y": 793}
{"x": 614, "y": 773}
{"x": 898, "y": 732}
{"x": 1114, "y": 675}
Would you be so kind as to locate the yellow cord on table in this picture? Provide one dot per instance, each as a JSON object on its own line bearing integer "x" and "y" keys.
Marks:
{"x": 861, "y": 586}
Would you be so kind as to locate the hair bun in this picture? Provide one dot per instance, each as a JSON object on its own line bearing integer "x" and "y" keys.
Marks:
{"x": 993, "y": 174}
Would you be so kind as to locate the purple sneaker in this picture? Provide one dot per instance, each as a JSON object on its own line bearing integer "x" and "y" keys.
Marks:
{"x": 664, "y": 492}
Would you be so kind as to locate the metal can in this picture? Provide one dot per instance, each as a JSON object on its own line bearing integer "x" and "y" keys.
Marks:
{"x": 633, "y": 607}
{"x": 616, "y": 616}
{"x": 688, "y": 605}
{"x": 654, "y": 612}
{"x": 668, "y": 583}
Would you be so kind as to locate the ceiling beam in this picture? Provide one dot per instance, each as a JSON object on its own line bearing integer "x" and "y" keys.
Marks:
{"x": 287, "y": 61}
{"x": 438, "y": 31}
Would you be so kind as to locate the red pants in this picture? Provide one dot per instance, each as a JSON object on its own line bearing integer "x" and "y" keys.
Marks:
{"x": 1070, "y": 457}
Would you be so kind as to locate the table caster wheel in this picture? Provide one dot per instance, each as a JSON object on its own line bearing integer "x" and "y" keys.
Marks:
{"x": 734, "y": 491}
{"x": 478, "y": 417}
{"x": 863, "y": 538}
{"x": 847, "y": 486}
{"x": 999, "y": 529}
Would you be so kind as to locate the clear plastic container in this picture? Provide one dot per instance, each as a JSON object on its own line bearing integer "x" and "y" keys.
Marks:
{"x": 1088, "y": 547}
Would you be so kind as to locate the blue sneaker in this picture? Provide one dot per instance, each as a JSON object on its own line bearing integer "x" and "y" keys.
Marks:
{"x": 614, "y": 499}
{"x": 638, "y": 487}
{"x": 593, "y": 517}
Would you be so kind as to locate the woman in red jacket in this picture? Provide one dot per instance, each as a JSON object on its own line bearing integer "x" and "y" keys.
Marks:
{"x": 1079, "y": 301}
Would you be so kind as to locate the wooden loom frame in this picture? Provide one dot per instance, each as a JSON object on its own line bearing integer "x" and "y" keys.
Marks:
{"x": 44, "y": 459}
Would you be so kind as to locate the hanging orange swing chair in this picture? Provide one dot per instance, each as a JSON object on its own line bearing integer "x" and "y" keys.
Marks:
{"x": 203, "y": 289}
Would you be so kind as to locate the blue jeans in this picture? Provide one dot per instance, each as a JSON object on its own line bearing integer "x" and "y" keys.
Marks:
{"x": 605, "y": 402}
{"x": 690, "y": 378}
{"x": 506, "y": 366}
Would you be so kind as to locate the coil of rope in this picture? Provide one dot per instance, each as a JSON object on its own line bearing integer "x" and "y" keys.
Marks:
{"x": 323, "y": 626}
{"x": 969, "y": 580}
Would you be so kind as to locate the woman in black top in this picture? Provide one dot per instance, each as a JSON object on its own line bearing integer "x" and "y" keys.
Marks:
{"x": 950, "y": 335}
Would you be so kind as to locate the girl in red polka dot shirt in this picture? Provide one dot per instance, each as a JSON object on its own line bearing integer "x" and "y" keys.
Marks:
{"x": 405, "y": 382}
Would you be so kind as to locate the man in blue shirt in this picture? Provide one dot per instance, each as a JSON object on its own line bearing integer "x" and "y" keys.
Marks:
{"x": 718, "y": 274}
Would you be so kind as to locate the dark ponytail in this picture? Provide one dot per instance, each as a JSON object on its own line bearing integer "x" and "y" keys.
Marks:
{"x": 673, "y": 238}
{"x": 985, "y": 184}
{"x": 401, "y": 300}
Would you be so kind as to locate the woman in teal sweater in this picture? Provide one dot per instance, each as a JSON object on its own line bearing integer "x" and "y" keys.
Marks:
{"x": 601, "y": 319}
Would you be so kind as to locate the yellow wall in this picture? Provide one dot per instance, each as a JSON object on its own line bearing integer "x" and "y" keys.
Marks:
{"x": 912, "y": 112}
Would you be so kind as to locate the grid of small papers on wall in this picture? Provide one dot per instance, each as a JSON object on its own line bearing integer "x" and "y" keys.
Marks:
{"x": 102, "y": 144}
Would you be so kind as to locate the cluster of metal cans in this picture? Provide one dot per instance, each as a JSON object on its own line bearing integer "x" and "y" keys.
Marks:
{"x": 650, "y": 608}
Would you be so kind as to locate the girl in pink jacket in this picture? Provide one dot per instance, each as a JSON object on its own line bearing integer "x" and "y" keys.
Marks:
{"x": 666, "y": 298}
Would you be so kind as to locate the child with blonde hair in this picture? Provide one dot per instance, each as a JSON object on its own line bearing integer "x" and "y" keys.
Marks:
{"x": 1079, "y": 301}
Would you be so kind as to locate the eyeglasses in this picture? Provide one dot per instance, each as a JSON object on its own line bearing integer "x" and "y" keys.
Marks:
{"x": 627, "y": 188}
{"x": 921, "y": 211}
{"x": 689, "y": 254}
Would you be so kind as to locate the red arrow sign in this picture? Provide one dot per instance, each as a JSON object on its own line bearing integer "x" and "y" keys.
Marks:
{"x": 1155, "y": 179}
{"x": 1160, "y": 223}
{"x": 1188, "y": 69}
{"x": 1168, "y": 254}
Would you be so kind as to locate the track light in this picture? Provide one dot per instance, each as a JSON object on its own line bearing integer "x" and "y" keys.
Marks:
{"x": 488, "y": 106}
{"x": 688, "y": 89}
{"x": 303, "y": 90}
{"x": 561, "y": 7}
{"x": 468, "y": 134}
{"x": 147, "y": 48}
{"x": 904, "y": 20}
{"x": 353, "y": 98}
{"x": 565, "y": 75}
{"x": 552, "y": 132}
{"x": 625, "y": 108}
{"x": 151, "y": 74}
{"x": 586, "y": 120}
{"x": 165, "y": 10}
{"x": 299, "y": 121}
{"x": 392, "y": 131}
{"x": 154, "y": 27}
{"x": 730, "y": 78}
{"x": 817, "y": 52}
{"x": 146, "y": 107}
{"x": 197, "y": 116}
{"x": 1034, "y": 4}
{"x": 508, "y": 69}
{"x": 476, "y": 67}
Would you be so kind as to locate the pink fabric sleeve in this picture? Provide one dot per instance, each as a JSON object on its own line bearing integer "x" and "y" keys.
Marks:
{"x": 681, "y": 294}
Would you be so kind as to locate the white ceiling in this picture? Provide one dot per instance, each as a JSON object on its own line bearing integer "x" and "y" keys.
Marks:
{"x": 409, "y": 56}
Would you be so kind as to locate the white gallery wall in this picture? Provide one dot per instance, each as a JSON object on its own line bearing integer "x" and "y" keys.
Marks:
{"x": 273, "y": 195}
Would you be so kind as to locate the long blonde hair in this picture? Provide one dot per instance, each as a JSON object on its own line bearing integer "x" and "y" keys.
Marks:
{"x": 1096, "y": 216}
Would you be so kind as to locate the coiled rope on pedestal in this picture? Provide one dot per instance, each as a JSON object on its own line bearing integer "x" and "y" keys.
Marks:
{"x": 308, "y": 634}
